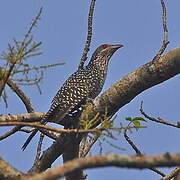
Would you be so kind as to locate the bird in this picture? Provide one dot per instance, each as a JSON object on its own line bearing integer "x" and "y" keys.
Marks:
{"x": 86, "y": 83}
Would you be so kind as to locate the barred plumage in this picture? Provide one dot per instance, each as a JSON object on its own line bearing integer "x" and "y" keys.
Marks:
{"x": 85, "y": 83}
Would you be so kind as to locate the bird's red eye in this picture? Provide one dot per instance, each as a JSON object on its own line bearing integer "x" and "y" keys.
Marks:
{"x": 104, "y": 46}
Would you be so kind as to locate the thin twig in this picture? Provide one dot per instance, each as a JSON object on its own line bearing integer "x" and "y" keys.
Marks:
{"x": 10, "y": 132}
{"x": 53, "y": 129}
{"x": 89, "y": 146}
{"x": 89, "y": 34}
{"x": 50, "y": 128}
{"x": 158, "y": 120}
{"x": 33, "y": 24}
{"x": 14, "y": 57}
{"x": 21, "y": 95}
{"x": 172, "y": 174}
{"x": 5, "y": 78}
{"x": 25, "y": 101}
{"x": 38, "y": 67}
{"x": 164, "y": 20}
{"x": 165, "y": 31}
{"x": 27, "y": 130}
{"x": 138, "y": 152}
{"x": 38, "y": 153}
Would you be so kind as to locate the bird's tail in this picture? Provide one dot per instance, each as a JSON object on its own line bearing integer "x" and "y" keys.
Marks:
{"x": 29, "y": 139}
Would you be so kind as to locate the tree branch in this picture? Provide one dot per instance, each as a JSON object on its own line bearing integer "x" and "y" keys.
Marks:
{"x": 7, "y": 172}
{"x": 138, "y": 153}
{"x": 165, "y": 31}
{"x": 21, "y": 95}
{"x": 50, "y": 128}
{"x": 28, "y": 117}
{"x": 4, "y": 77}
{"x": 23, "y": 98}
{"x": 89, "y": 34}
{"x": 145, "y": 77}
{"x": 173, "y": 173}
{"x": 137, "y": 162}
{"x": 158, "y": 120}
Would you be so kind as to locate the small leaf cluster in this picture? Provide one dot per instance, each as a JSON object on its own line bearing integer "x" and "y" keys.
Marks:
{"x": 136, "y": 121}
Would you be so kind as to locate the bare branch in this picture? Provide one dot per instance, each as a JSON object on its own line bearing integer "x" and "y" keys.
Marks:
{"x": 89, "y": 34}
{"x": 173, "y": 173}
{"x": 21, "y": 95}
{"x": 28, "y": 117}
{"x": 38, "y": 67}
{"x": 158, "y": 120}
{"x": 10, "y": 132}
{"x": 50, "y": 128}
{"x": 50, "y": 134}
{"x": 146, "y": 76}
{"x": 88, "y": 146}
{"x": 164, "y": 20}
{"x": 165, "y": 31}
{"x": 138, "y": 162}
{"x": 138, "y": 152}
{"x": 33, "y": 24}
{"x": 39, "y": 150}
{"x": 62, "y": 144}
{"x": 7, "y": 172}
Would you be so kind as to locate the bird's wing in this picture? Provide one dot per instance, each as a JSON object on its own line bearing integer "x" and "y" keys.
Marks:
{"x": 71, "y": 95}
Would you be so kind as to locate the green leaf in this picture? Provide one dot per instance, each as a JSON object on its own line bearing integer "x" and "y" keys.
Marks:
{"x": 136, "y": 123}
{"x": 128, "y": 119}
{"x": 139, "y": 119}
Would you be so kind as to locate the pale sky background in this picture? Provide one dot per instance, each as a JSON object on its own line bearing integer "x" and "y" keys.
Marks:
{"x": 62, "y": 30}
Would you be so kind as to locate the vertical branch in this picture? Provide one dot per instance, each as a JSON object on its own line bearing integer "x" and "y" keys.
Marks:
{"x": 85, "y": 150}
{"x": 75, "y": 149}
{"x": 38, "y": 153}
{"x": 33, "y": 24}
{"x": 164, "y": 20}
{"x": 165, "y": 31}
{"x": 89, "y": 34}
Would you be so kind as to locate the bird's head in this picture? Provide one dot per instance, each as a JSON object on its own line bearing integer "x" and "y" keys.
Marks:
{"x": 103, "y": 53}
